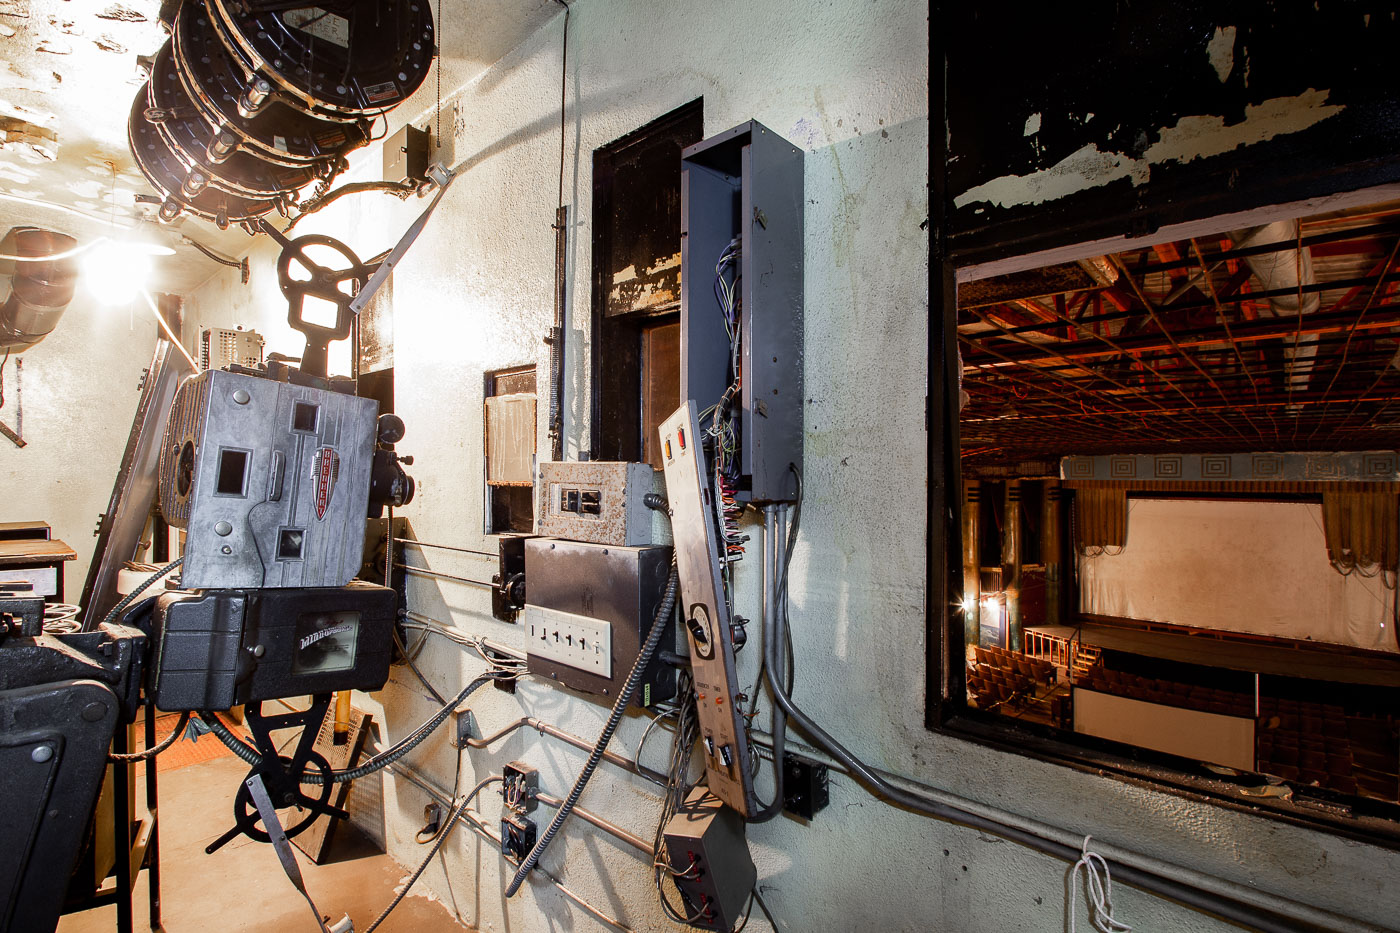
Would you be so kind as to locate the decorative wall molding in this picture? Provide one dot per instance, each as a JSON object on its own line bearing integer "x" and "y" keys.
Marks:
{"x": 1367, "y": 466}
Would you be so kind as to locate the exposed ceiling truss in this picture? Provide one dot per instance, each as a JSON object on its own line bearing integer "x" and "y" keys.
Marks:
{"x": 1185, "y": 346}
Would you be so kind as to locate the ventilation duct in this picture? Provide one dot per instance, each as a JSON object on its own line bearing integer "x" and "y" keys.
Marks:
{"x": 37, "y": 289}
{"x": 1286, "y": 272}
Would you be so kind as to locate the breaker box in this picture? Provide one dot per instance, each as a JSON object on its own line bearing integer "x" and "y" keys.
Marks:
{"x": 741, "y": 280}
{"x": 600, "y": 501}
{"x": 588, "y": 609}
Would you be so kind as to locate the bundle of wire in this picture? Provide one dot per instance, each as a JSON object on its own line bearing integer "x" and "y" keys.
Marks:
{"x": 720, "y": 416}
{"x": 678, "y": 785}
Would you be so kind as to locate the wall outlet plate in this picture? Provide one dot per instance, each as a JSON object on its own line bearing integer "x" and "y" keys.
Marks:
{"x": 465, "y": 727}
{"x": 570, "y": 639}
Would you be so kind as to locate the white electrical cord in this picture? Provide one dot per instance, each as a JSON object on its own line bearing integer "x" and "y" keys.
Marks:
{"x": 1098, "y": 892}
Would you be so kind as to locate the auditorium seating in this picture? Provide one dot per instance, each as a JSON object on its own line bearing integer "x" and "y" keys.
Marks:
{"x": 1000, "y": 676}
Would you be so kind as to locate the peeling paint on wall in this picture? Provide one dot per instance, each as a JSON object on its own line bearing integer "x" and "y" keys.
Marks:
{"x": 1084, "y": 168}
{"x": 1193, "y": 137}
{"x": 1221, "y": 52}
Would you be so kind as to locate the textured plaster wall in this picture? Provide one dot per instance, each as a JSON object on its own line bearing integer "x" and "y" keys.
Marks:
{"x": 80, "y": 389}
{"x": 847, "y": 81}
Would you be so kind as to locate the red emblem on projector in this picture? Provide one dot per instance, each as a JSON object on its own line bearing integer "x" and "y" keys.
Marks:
{"x": 325, "y": 467}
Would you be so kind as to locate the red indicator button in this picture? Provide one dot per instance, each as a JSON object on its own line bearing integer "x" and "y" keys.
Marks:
{"x": 680, "y": 434}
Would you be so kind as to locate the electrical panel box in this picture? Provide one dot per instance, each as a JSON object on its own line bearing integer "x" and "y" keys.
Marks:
{"x": 222, "y": 347}
{"x": 406, "y": 156}
{"x": 601, "y": 502}
{"x": 705, "y": 612}
{"x": 587, "y": 612}
{"x": 743, "y": 191}
{"x": 710, "y": 861}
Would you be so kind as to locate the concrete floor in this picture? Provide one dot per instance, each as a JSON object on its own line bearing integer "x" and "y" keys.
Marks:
{"x": 242, "y": 886}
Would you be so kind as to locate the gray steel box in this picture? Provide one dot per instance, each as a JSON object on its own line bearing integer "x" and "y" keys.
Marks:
{"x": 710, "y": 835}
{"x": 618, "y": 585}
{"x": 747, "y": 182}
{"x": 617, "y": 516}
{"x": 269, "y": 479}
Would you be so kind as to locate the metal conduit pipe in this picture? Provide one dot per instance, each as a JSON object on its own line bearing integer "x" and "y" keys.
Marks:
{"x": 424, "y": 571}
{"x": 1253, "y": 908}
{"x": 611, "y": 829}
{"x": 413, "y": 542}
{"x": 772, "y": 530}
{"x": 544, "y": 728}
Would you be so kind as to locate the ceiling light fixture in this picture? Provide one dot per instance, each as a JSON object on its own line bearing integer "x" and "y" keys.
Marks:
{"x": 116, "y": 271}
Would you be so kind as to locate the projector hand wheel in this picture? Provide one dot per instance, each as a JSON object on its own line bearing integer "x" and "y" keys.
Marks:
{"x": 335, "y": 280}
{"x": 247, "y": 820}
{"x": 281, "y": 775}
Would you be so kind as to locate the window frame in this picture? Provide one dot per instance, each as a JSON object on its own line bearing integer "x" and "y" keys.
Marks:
{"x": 946, "y": 711}
{"x": 490, "y": 390}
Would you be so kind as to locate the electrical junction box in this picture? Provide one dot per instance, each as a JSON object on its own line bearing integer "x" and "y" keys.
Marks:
{"x": 709, "y": 860}
{"x": 517, "y": 836}
{"x": 744, "y": 188}
{"x": 406, "y": 156}
{"x": 600, "y": 501}
{"x": 588, "y": 609}
{"x": 270, "y": 481}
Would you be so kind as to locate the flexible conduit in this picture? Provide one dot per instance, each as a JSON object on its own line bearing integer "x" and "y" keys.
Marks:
{"x": 624, "y": 697}
{"x": 382, "y": 760}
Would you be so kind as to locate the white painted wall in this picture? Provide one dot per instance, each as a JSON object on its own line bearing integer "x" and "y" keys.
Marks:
{"x": 847, "y": 81}
{"x": 80, "y": 390}
{"x": 1240, "y": 566}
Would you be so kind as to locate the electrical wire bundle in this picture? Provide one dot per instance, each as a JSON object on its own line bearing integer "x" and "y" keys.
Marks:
{"x": 678, "y": 785}
{"x": 721, "y": 428}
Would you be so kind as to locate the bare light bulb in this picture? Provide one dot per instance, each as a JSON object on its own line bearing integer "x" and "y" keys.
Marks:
{"x": 116, "y": 271}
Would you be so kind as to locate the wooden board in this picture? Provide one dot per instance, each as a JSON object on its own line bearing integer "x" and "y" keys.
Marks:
{"x": 35, "y": 551}
{"x": 315, "y": 840}
{"x": 1210, "y": 737}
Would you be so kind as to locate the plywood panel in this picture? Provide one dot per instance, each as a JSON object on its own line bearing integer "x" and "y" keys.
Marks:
{"x": 1221, "y": 740}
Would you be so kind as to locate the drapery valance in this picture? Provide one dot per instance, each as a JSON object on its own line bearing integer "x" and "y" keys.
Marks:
{"x": 1101, "y": 517}
{"x": 1360, "y": 529}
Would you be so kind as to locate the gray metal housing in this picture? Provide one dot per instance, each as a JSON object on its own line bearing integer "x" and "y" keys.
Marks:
{"x": 617, "y": 516}
{"x": 619, "y": 585}
{"x": 269, "y": 479}
{"x": 747, "y": 182}
{"x": 710, "y": 859}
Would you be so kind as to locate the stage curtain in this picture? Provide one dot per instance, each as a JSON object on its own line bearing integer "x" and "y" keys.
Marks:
{"x": 1101, "y": 518}
{"x": 1360, "y": 528}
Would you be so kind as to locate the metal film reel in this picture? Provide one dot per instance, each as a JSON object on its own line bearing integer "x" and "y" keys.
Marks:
{"x": 278, "y": 133}
{"x": 169, "y": 176}
{"x": 190, "y": 136}
{"x": 349, "y": 57}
